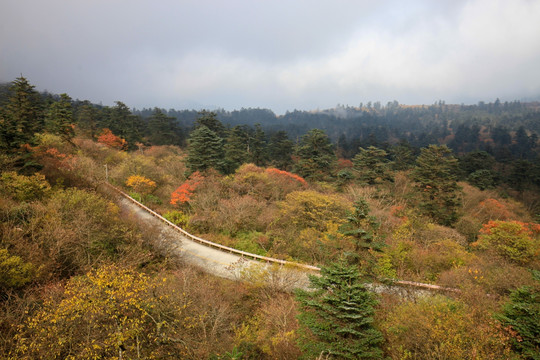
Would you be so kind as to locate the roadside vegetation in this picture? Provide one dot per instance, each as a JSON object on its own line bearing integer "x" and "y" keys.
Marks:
{"x": 79, "y": 278}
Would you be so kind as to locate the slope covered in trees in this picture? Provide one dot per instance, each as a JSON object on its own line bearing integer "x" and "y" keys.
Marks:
{"x": 451, "y": 215}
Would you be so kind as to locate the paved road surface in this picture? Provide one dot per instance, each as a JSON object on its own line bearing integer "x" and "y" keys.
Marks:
{"x": 232, "y": 266}
{"x": 215, "y": 261}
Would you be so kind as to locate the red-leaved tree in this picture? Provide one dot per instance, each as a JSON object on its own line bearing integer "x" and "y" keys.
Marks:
{"x": 111, "y": 140}
{"x": 184, "y": 192}
{"x": 286, "y": 175}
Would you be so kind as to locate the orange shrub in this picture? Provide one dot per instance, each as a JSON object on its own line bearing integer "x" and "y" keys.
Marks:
{"x": 492, "y": 209}
{"x": 184, "y": 192}
{"x": 344, "y": 164}
{"x": 53, "y": 154}
{"x": 399, "y": 212}
{"x": 58, "y": 159}
{"x": 286, "y": 175}
{"x": 513, "y": 240}
{"x": 111, "y": 140}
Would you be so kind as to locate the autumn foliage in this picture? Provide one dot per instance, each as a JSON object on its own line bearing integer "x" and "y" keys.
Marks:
{"x": 265, "y": 184}
{"x": 108, "y": 138}
{"x": 436, "y": 327}
{"x": 493, "y": 210}
{"x": 58, "y": 243}
{"x": 24, "y": 188}
{"x": 184, "y": 192}
{"x": 53, "y": 158}
{"x": 285, "y": 174}
{"x": 344, "y": 164}
{"x": 107, "y": 313}
{"x": 513, "y": 240}
{"x": 140, "y": 184}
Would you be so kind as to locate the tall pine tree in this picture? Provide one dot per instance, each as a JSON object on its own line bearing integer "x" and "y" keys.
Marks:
{"x": 123, "y": 123}
{"x": 22, "y": 116}
{"x": 87, "y": 118}
{"x": 59, "y": 118}
{"x": 316, "y": 155}
{"x": 336, "y": 318}
{"x": 280, "y": 150}
{"x": 372, "y": 166}
{"x": 522, "y": 315}
{"x": 436, "y": 174}
{"x": 237, "y": 147}
{"x": 257, "y": 148}
{"x": 163, "y": 129}
{"x": 205, "y": 150}
{"x": 210, "y": 120}
{"x": 361, "y": 227}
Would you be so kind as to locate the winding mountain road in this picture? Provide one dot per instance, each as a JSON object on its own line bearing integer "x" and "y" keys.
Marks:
{"x": 214, "y": 258}
{"x": 226, "y": 262}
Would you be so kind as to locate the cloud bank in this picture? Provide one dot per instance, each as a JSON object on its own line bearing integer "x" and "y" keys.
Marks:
{"x": 277, "y": 54}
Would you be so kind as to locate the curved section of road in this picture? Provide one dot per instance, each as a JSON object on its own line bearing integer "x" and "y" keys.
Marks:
{"x": 238, "y": 265}
{"x": 217, "y": 259}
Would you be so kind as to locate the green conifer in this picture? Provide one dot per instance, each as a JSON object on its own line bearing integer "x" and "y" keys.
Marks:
{"x": 237, "y": 147}
{"x": 280, "y": 150}
{"x": 316, "y": 155}
{"x": 163, "y": 129}
{"x": 59, "y": 118}
{"x": 372, "y": 165}
{"x": 436, "y": 174}
{"x": 336, "y": 318}
{"x": 205, "y": 150}
{"x": 22, "y": 116}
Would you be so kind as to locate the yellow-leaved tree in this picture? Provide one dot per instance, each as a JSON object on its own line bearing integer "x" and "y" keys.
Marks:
{"x": 307, "y": 225}
{"x": 141, "y": 184}
{"x": 110, "y": 313}
{"x": 515, "y": 241}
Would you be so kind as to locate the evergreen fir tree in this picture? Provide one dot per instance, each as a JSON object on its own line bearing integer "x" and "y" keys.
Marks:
{"x": 372, "y": 166}
{"x": 402, "y": 156}
{"x": 316, "y": 155}
{"x": 123, "y": 123}
{"x": 205, "y": 150}
{"x": 436, "y": 174}
{"x": 280, "y": 150}
{"x": 361, "y": 227}
{"x": 163, "y": 129}
{"x": 87, "y": 119}
{"x": 22, "y": 116}
{"x": 257, "y": 149}
{"x": 522, "y": 314}
{"x": 59, "y": 118}
{"x": 336, "y": 318}
{"x": 237, "y": 147}
{"x": 210, "y": 120}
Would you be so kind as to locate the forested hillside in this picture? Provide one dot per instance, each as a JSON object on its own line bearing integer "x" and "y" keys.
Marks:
{"x": 442, "y": 194}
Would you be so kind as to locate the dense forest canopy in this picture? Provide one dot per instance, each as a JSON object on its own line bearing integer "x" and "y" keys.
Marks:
{"x": 496, "y": 127}
{"x": 499, "y": 138}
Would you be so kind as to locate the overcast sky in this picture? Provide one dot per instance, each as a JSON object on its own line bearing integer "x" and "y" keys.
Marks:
{"x": 277, "y": 54}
